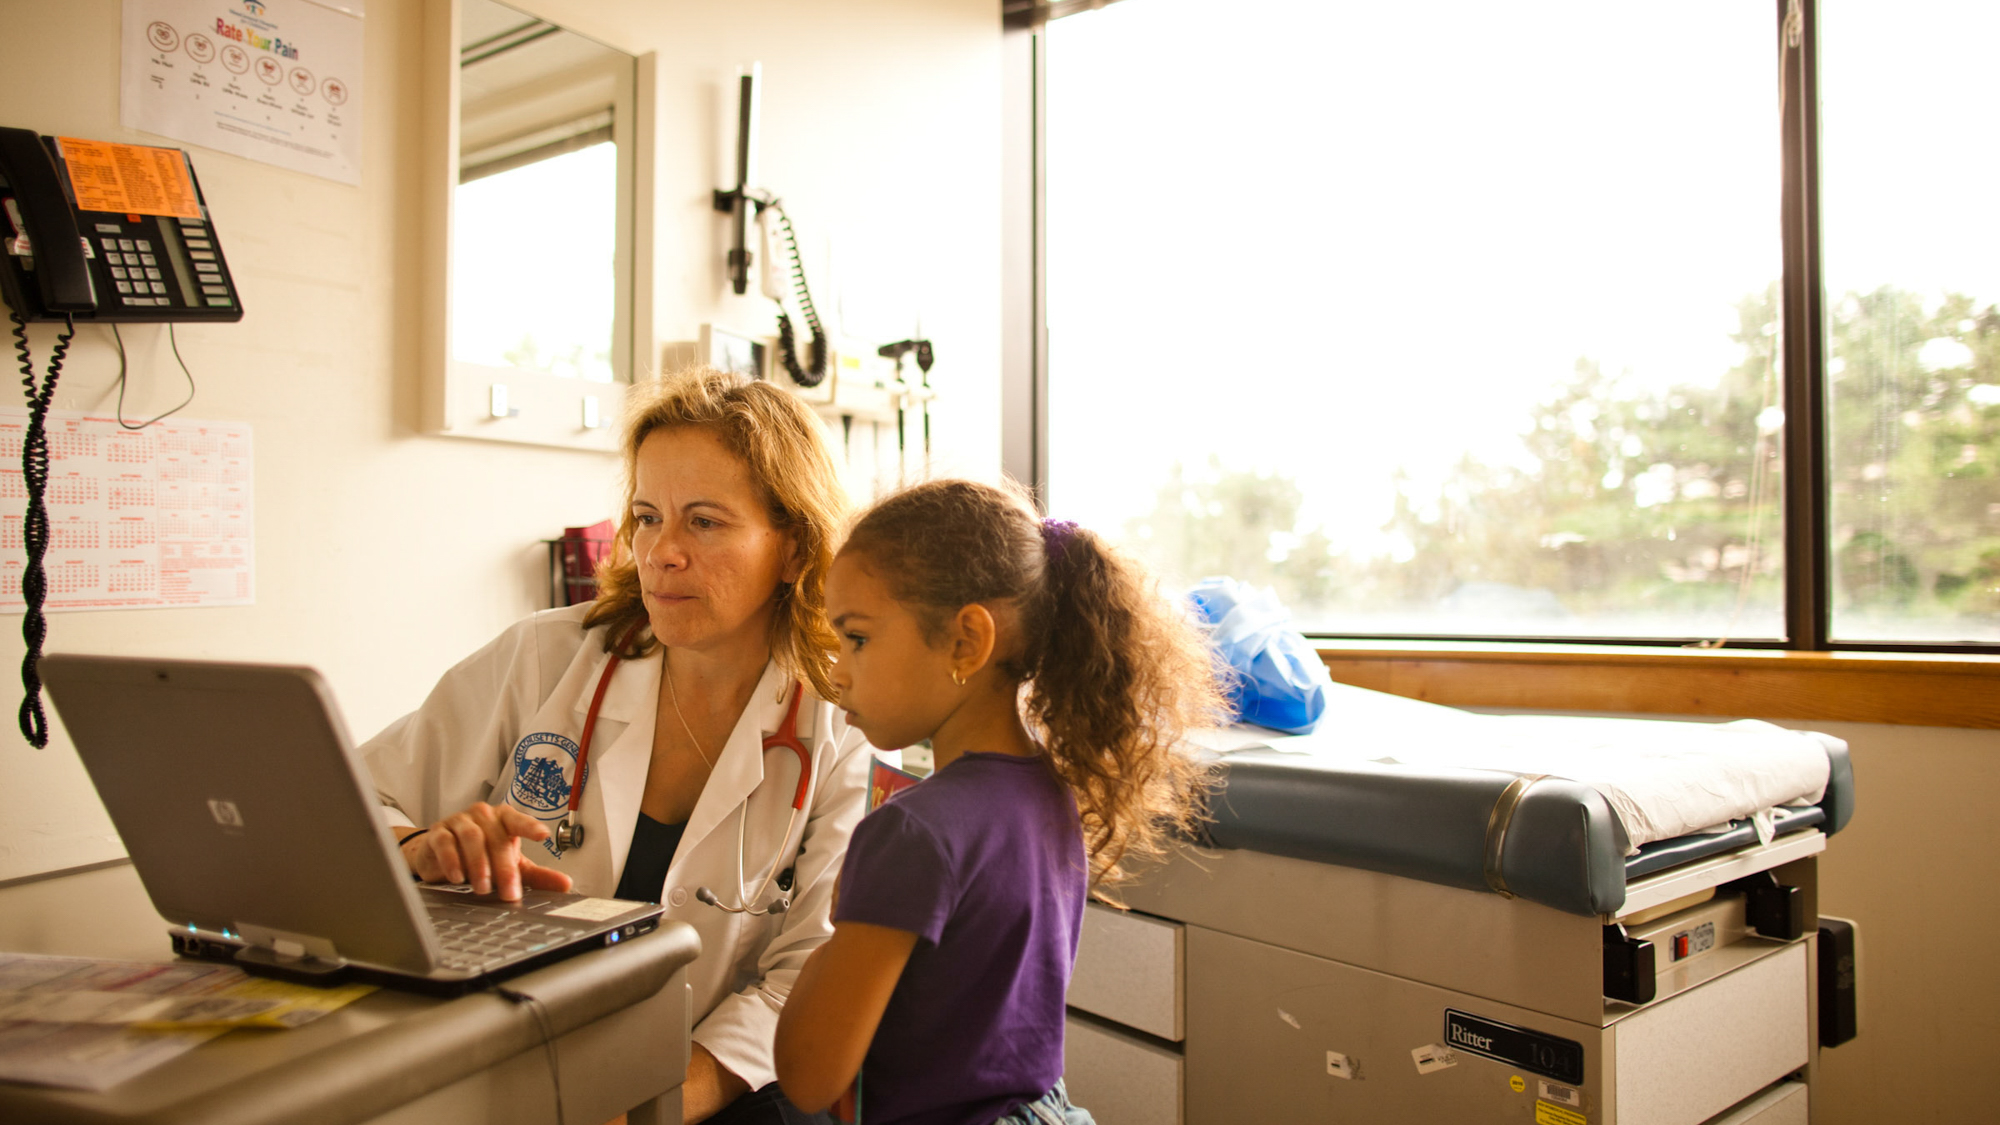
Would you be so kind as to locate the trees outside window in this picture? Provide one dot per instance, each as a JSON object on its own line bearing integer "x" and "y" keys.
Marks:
{"x": 1472, "y": 328}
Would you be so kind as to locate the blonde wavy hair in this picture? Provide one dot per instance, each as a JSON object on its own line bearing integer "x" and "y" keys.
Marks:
{"x": 780, "y": 441}
{"x": 1115, "y": 673}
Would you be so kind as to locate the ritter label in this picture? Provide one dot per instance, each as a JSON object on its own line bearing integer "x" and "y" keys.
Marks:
{"x": 1532, "y": 1051}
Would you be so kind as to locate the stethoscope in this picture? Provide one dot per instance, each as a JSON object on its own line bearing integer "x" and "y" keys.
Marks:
{"x": 569, "y": 832}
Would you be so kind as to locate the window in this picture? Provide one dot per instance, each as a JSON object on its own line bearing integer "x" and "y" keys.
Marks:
{"x": 1913, "y": 319}
{"x": 1470, "y": 324}
{"x": 534, "y": 255}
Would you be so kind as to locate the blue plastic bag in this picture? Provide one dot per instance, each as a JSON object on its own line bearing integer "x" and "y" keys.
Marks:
{"x": 1280, "y": 681}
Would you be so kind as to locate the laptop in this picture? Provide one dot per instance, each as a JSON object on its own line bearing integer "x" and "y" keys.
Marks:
{"x": 257, "y": 835}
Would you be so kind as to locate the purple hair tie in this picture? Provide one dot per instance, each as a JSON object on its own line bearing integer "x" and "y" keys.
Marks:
{"x": 1054, "y": 532}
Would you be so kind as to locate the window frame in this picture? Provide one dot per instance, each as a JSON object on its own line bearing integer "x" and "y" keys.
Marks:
{"x": 1806, "y": 499}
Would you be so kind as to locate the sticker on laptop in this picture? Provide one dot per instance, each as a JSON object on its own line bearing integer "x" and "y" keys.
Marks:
{"x": 591, "y": 909}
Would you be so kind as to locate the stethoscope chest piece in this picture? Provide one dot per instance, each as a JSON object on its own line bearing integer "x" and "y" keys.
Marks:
{"x": 569, "y": 834}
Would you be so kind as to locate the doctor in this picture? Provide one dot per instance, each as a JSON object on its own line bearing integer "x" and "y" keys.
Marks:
{"x": 642, "y": 746}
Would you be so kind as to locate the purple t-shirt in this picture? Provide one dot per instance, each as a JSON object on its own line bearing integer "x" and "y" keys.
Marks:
{"x": 984, "y": 863}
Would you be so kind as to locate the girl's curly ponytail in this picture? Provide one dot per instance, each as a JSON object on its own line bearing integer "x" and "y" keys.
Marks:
{"x": 1115, "y": 673}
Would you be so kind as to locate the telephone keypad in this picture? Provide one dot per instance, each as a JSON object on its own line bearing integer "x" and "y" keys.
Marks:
{"x": 146, "y": 286}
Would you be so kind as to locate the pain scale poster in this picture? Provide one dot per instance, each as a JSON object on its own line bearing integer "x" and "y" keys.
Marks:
{"x": 272, "y": 80}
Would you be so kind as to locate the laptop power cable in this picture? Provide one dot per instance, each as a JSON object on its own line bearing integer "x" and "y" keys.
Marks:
{"x": 541, "y": 1015}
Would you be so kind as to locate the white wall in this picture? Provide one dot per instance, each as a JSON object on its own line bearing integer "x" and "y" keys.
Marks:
{"x": 384, "y": 555}
{"x": 1916, "y": 869}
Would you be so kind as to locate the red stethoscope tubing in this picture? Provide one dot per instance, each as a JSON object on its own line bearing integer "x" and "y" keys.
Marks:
{"x": 787, "y": 737}
{"x": 590, "y": 727}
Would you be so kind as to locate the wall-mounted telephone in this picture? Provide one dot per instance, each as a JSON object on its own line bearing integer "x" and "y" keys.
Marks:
{"x": 93, "y": 232}
{"x": 111, "y": 233}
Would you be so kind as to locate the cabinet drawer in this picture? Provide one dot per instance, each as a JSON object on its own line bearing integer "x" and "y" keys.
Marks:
{"x": 1739, "y": 1032}
{"x": 1121, "y": 1079}
{"x": 1128, "y": 970}
{"x": 1784, "y": 1104}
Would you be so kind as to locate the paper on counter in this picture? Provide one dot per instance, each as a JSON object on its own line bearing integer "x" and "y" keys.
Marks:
{"x": 84, "y": 1056}
{"x": 89, "y": 1024}
{"x": 294, "y": 1005}
{"x": 122, "y": 1008}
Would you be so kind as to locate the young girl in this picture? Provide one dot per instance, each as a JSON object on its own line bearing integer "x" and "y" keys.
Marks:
{"x": 957, "y": 908}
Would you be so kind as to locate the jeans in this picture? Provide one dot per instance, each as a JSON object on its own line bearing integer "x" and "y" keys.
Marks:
{"x": 1052, "y": 1108}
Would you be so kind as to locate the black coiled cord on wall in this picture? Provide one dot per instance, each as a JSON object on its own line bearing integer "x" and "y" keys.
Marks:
{"x": 35, "y": 521}
{"x": 788, "y": 354}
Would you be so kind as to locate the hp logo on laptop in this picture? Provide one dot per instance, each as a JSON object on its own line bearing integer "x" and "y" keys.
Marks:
{"x": 225, "y": 813}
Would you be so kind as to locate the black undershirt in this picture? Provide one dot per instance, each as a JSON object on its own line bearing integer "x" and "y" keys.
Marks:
{"x": 646, "y": 863}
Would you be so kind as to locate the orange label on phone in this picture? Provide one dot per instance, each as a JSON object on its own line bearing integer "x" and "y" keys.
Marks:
{"x": 129, "y": 179}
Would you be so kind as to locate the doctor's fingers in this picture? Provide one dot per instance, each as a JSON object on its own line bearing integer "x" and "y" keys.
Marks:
{"x": 511, "y": 870}
{"x": 518, "y": 823}
{"x": 543, "y": 878}
{"x": 504, "y": 827}
{"x": 476, "y": 848}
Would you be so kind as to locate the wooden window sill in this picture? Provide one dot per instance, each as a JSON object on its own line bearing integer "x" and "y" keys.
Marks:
{"x": 1914, "y": 689}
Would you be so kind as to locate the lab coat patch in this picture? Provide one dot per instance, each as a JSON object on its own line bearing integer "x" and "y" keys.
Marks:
{"x": 544, "y": 771}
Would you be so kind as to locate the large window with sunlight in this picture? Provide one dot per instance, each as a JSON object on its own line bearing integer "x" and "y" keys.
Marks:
{"x": 1912, "y": 258}
{"x": 1467, "y": 321}
{"x": 1459, "y": 325}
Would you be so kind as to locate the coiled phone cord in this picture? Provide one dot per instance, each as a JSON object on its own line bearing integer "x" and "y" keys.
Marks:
{"x": 788, "y": 352}
{"x": 35, "y": 521}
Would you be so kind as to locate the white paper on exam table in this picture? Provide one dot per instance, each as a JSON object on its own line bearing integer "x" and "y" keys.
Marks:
{"x": 1664, "y": 778}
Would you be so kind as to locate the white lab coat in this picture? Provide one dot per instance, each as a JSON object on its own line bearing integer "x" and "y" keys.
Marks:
{"x": 499, "y": 708}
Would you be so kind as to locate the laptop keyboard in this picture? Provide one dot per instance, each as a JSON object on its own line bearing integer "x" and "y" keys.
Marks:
{"x": 474, "y": 939}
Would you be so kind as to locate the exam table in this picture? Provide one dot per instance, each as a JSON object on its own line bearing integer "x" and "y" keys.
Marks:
{"x": 1385, "y": 923}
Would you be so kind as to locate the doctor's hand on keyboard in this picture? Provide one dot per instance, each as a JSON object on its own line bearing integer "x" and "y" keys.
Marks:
{"x": 482, "y": 847}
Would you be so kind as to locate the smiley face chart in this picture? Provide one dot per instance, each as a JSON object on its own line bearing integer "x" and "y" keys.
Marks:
{"x": 273, "y": 80}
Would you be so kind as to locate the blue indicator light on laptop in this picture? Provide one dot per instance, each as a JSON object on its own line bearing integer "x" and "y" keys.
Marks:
{"x": 614, "y": 936}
